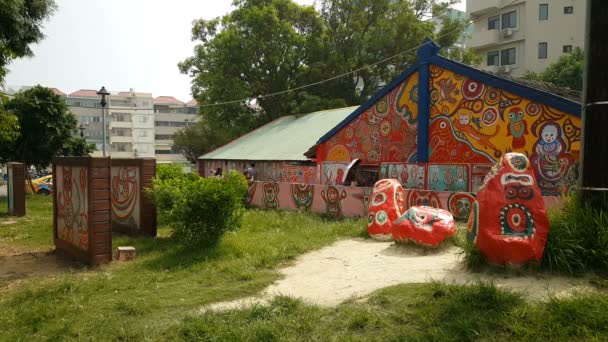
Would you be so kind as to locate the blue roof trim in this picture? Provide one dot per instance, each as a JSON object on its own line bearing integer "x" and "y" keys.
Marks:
{"x": 407, "y": 73}
{"x": 551, "y": 100}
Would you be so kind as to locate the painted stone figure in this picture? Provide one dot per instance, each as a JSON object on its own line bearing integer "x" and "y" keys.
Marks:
{"x": 460, "y": 204}
{"x": 425, "y": 226}
{"x": 386, "y": 206}
{"x": 508, "y": 222}
{"x": 333, "y": 200}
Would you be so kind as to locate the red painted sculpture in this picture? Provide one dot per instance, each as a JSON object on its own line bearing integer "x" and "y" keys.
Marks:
{"x": 508, "y": 222}
{"x": 425, "y": 226}
{"x": 385, "y": 207}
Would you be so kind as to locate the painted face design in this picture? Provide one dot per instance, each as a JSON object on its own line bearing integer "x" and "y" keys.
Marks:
{"x": 333, "y": 200}
{"x": 385, "y": 207}
{"x": 549, "y": 134}
{"x": 509, "y": 221}
{"x": 302, "y": 195}
{"x": 425, "y": 226}
{"x": 271, "y": 195}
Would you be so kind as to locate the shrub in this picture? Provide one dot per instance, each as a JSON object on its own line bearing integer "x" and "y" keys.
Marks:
{"x": 199, "y": 209}
{"x": 578, "y": 239}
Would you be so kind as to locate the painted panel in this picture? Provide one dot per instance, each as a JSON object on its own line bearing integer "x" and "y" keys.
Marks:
{"x": 299, "y": 174}
{"x": 411, "y": 176}
{"x": 384, "y": 132}
{"x": 72, "y": 205}
{"x": 125, "y": 196}
{"x": 445, "y": 177}
{"x": 475, "y": 123}
{"x": 333, "y": 173}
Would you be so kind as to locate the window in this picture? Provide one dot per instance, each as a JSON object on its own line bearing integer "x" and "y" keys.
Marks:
{"x": 164, "y": 137}
{"x": 493, "y": 58}
{"x": 568, "y": 10}
{"x": 567, "y": 48}
{"x": 162, "y": 152}
{"x": 543, "y": 12}
{"x": 542, "y": 50}
{"x": 121, "y": 117}
{"x": 121, "y": 132}
{"x": 493, "y": 23}
{"x": 507, "y": 56}
{"x": 122, "y": 147}
{"x": 178, "y": 124}
{"x": 162, "y": 123}
{"x": 509, "y": 20}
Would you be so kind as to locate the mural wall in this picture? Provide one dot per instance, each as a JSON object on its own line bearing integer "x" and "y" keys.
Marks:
{"x": 385, "y": 132}
{"x": 125, "y": 196}
{"x": 299, "y": 174}
{"x": 72, "y": 205}
{"x": 472, "y": 122}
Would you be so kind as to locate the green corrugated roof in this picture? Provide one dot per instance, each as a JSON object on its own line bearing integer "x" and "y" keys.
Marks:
{"x": 286, "y": 138}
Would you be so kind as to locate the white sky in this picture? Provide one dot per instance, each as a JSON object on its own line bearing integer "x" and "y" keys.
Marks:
{"x": 120, "y": 44}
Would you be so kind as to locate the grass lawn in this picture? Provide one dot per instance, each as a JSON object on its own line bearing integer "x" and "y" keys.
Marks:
{"x": 142, "y": 299}
{"x": 413, "y": 312}
{"x": 35, "y": 230}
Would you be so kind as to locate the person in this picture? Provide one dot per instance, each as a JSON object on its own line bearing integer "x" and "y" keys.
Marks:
{"x": 218, "y": 172}
{"x": 251, "y": 173}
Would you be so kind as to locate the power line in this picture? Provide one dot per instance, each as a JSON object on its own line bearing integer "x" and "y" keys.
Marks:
{"x": 249, "y": 99}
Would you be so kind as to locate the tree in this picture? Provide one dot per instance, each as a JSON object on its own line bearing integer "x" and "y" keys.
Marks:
{"x": 76, "y": 146}
{"x": 268, "y": 46}
{"x": 20, "y": 26}
{"x": 46, "y": 127}
{"x": 198, "y": 139}
{"x": 9, "y": 124}
{"x": 566, "y": 72}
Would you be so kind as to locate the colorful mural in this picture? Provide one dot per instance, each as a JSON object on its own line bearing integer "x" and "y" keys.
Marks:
{"x": 72, "y": 206}
{"x": 333, "y": 173}
{"x": 448, "y": 177}
{"x": 384, "y": 132}
{"x": 299, "y": 174}
{"x": 472, "y": 122}
{"x": 302, "y": 195}
{"x": 350, "y": 201}
{"x": 411, "y": 176}
{"x": 124, "y": 195}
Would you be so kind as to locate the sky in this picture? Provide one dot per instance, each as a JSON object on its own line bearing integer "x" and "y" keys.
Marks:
{"x": 119, "y": 44}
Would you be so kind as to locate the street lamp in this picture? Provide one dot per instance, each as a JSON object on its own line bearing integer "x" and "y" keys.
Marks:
{"x": 103, "y": 92}
{"x": 82, "y": 128}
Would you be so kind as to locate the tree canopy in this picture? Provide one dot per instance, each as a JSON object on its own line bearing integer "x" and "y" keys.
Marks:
{"x": 47, "y": 128}
{"x": 268, "y": 46}
{"x": 198, "y": 139}
{"x": 566, "y": 72}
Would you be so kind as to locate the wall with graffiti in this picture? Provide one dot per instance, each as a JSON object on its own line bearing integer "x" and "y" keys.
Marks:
{"x": 384, "y": 132}
{"x": 72, "y": 205}
{"x": 472, "y": 122}
{"x": 299, "y": 174}
{"x": 125, "y": 196}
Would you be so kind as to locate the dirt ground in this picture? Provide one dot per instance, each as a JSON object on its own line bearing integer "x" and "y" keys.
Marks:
{"x": 355, "y": 268}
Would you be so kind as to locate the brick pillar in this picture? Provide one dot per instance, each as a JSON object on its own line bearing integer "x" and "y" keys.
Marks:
{"x": 100, "y": 218}
{"x": 16, "y": 189}
{"x": 148, "y": 209}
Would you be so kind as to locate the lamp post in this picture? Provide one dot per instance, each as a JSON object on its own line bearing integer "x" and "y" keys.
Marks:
{"x": 103, "y": 92}
{"x": 82, "y": 128}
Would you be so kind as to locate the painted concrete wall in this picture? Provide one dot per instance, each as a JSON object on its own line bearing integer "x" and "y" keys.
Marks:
{"x": 71, "y": 186}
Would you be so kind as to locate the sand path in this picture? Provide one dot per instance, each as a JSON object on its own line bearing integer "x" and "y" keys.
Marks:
{"x": 354, "y": 268}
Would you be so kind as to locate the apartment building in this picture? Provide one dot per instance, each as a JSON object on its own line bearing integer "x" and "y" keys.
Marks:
{"x": 171, "y": 115}
{"x": 130, "y": 122}
{"x": 515, "y": 37}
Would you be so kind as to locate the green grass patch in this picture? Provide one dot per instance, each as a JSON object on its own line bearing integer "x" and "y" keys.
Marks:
{"x": 415, "y": 312}
{"x": 139, "y": 300}
{"x": 35, "y": 229}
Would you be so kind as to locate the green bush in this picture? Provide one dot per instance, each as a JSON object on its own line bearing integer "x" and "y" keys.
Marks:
{"x": 200, "y": 210}
{"x": 578, "y": 239}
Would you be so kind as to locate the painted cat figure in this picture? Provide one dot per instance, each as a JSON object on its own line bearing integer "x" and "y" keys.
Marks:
{"x": 464, "y": 124}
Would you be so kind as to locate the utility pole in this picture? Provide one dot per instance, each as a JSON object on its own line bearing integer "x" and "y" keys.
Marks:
{"x": 103, "y": 92}
{"x": 594, "y": 143}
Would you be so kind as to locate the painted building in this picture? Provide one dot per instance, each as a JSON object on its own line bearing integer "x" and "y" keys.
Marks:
{"x": 171, "y": 115}
{"x": 439, "y": 140}
{"x": 526, "y": 35}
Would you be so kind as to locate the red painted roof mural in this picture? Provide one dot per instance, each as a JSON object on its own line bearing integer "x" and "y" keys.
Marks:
{"x": 385, "y": 132}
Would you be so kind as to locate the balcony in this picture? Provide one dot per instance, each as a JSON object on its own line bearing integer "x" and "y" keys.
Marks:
{"x": 477, "y": 8}
{"x": 120, "y": 139}
{"x": 481, "y": 39}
